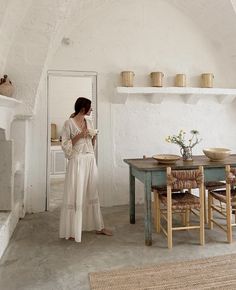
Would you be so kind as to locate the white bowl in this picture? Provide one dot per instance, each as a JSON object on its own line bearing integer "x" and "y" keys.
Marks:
{"x": 217, "y": 154}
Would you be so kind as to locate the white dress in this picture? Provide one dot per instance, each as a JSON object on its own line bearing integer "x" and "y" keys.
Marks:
{"x": 80, "y": 208}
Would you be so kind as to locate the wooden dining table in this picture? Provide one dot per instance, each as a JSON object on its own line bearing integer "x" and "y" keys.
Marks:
{"x": 151, "y": 173}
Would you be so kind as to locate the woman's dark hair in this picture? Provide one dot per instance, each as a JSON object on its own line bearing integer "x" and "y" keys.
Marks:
{"x": 80, "y": 104}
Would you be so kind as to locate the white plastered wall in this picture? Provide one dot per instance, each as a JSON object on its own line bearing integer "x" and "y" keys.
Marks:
{"x": 108, "y": 37}
{"x": 142, "y": 37}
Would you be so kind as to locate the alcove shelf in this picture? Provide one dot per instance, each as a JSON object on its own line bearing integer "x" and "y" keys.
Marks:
{"x": 8, "y": 108}
{"x": 189, "y": 95}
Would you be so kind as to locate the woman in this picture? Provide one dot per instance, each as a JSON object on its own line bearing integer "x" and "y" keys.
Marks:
{"x": 81, "y": 207}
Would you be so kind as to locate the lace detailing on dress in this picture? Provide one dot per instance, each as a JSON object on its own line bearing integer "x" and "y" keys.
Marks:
{"x": 66, "y": 144}
{"x": 81, "y": 208}
{"x": 83, "y": 145}
{"x": 67, "y": 147}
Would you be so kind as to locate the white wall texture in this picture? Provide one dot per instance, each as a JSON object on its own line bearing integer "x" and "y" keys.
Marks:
{"x": 143, "y": 37}
{"x": 27, "y": 33}
{"x": 12, "y": 14}
{"x": 109, "y": 37}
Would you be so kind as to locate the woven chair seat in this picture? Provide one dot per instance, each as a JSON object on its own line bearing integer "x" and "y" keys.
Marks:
{"x": 182, "y": 200}
{"x": 211, "y": 185}
{"x": 162, "y": 189}
{"x": 221, "y": 196}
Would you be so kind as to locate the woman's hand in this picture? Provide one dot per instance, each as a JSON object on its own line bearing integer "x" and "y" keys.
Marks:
{"x": 83, "y": 134}
{"x": 94, "y": 140}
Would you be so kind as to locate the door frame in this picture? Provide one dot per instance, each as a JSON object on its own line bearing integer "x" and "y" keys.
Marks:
{"x": 66, "y": 73}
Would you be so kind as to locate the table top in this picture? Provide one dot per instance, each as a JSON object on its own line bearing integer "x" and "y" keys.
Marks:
{"x": 150, "y": 164}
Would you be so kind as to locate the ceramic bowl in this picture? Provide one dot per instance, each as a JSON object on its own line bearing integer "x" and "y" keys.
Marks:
{"x": 217, "y": 154}
{"x": 166, "y": 158}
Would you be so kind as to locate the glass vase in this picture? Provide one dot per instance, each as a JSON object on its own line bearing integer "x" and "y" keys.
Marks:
{"x": 186, "y": 153}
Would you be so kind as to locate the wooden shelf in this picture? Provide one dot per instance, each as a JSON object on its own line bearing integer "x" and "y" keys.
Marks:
{"x": 189, "y": 95}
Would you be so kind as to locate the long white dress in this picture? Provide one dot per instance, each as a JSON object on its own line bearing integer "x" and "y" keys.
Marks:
{"x": 81, "y": 207}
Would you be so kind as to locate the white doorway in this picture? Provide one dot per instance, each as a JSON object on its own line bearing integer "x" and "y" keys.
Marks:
{"x": 63, "y": 88}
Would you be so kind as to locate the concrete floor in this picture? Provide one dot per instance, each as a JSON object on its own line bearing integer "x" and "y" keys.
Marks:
{"x": 37, "y": 259}
{"x": 56, "y": 193}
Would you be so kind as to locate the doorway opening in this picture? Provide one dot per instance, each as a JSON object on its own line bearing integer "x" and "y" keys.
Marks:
{"x": 63, "y": 88}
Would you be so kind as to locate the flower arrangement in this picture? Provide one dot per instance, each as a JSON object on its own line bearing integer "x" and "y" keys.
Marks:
{"x": 180, "y": 139}
{"x": 185, "y": 146}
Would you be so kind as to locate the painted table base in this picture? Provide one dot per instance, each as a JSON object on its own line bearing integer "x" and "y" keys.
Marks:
{"x": 151, "y": 173}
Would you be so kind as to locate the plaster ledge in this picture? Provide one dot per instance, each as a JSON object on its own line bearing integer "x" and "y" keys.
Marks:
{"x": 8, "y": 108}
{"x": 23, "y": 117}
{"x": 7, "y": 227}
{"x": 191, "y": 95}
{"x": 8, "y": 102}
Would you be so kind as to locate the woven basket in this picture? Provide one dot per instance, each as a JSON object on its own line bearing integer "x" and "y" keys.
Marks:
{"x": 207, "y": 80}
{"x": 127, "y": 78}
{"x": 156, "y": 79}
{"x": 180, "y": 80}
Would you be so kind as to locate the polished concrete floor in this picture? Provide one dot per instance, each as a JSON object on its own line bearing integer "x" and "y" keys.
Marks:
{"x": 37, "y": 259}
{"x": 56, "y": 193}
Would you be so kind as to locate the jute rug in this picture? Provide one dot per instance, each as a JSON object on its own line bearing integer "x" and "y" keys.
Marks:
{"x": 209, "y": 273}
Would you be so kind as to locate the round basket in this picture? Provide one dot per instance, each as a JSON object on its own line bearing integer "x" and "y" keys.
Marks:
{"x": 180, "y": 80}
{"x": 127, "y": 78}
{"x": 207, "y": 80}
{"x": 156, "y": 79}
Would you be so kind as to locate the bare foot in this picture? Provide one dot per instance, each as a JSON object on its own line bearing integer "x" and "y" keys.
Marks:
{"x": 105, "y": 232}
{"x": 71, "y": 238}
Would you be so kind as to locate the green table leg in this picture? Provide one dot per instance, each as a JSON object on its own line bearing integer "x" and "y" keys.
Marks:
{"x": 131, "y": 197}
{"x": 148, "y": 209}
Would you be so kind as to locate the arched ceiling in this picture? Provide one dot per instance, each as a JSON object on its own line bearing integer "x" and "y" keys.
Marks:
{"x": 216, "y": 18}
{"x": 39, "y": 25}
{"x": 28, "y": 32}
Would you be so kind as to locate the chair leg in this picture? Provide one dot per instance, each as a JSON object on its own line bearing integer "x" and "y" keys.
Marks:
{"x": 158, "y": 214}
{"x": 205, "y": 206}
{"x": 229, "y": 227}
{"x": 234, "y": 212}
{"x": 202, "y": 214}
{"x": 154, "y": 208}
{"x": 183, "y": 214}
{"x": 169, "y": 219}
{"x": 210, "y": 211}
{"x": 202, "y": 228}
{"x": 228, "y": 214}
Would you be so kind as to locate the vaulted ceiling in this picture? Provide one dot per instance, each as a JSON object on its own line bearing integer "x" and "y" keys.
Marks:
{"x": 216, "y": 18}
{"x": 30, "y": 31}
